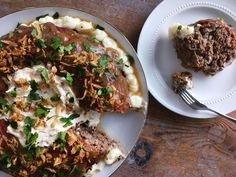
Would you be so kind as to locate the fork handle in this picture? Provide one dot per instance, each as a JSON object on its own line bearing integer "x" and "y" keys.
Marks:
{"x": 223, "y": 115}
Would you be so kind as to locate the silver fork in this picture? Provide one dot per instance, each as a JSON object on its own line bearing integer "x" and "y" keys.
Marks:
{"x": 195, "y": 104}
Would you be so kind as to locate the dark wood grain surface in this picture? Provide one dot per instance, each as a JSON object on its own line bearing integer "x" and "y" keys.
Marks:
{"x": 170, "y": 145}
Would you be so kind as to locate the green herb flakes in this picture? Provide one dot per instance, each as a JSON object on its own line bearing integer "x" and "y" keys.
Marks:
{"x": 104, "y": 91}
{"x": 13, "y": 124}
{"x": 56, "y": 42}
{"x": 41, "y": 111}
{"x": 103, "y": 61}
{"x": 55, "y": 98}
{"x": 12, "y": 93}
{"x": 93, "y": 39}
{"x": 29, "y": 122}
{"x": 75, "y": 170}
{"x": 34, "y": 32}
{"x": 44, "y": 73}
{"x": 69, "y": 78}
{"x": 67, "y": 120}
{"x": 6, "y": 160}
{"x": 41, "y": 16}
{"x": 56, "y": 15}
{"x": 100, "y": 27}
{"x": 180, "y": 27}
{"x": 1, "y": 44}
{"x": 81, "y": 71}
{"x": 4, "y": 105}
{"x": 62, "y": 140}
{"x": 88, "y": 48}
{"x": 131, "y": 59}
{"x": 41, "y": 43}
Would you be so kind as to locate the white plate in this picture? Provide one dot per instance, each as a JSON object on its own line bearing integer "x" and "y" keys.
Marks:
{"x": 159, "y": 60}
{"x": 124, "y": 128}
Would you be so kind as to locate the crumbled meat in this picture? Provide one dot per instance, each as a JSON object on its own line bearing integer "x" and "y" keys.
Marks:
{"x": 210, "y": 48}
{"x": 182, "y": 80}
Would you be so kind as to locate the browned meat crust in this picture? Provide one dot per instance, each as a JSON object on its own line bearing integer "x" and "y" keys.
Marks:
{"x": 209, "y": 49}
{"x": 90, "y": 73}
{"x": 84, "y": 147}
{"x": 92, "y": 77}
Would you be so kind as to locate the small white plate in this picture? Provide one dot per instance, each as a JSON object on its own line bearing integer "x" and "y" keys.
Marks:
{"x": 159, "y": 60}
{"x": 124, "y": 128}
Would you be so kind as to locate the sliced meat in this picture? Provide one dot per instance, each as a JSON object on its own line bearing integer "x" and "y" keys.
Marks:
{"x": 91, "y": 75}
{"x": 85, "y": 147}
{"x": 210, "y": 48}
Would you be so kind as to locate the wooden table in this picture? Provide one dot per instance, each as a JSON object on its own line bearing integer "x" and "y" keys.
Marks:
{"x": 170, "y": 145}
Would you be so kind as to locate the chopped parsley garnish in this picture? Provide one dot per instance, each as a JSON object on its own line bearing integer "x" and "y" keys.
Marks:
{"x": 55, "y": 42}
{"x": 131, "y": 59}
{"x": 31, "y": 138}
{"x": 104, "y": 91}
{"x": 69, "y": 78}
{"x": 35, "y": 61}
{"x": 10, "y": 34}
{"x": 4, "y": 105}
{"x": 79, "y": 148}
{"x": 6, "y": 160}
{"x": 67, "y": 49}
{"x": 92, "y": 38}
{"x": 71, "y": 99}
{"x": 41, "y": 111}
{"x": 180, "y": 27}
{"x": 62, "y": 139}
{"x": 13, "y": 124}
{"x": 121, "y": 61}
{"x": 55, "y": 98}
{"x": 44, "y": 73}
{"x": 17, "y": 32}
{"x": 33, "y": 95}
{"x": 55, "y": 15}
{"x": 41, "y": 43}
{"x": 62, "y": 136}
{"x": 29, "y": 122}
{"x": 12, "y": 93}
{"x": 33, "y": 85}
{"x": 41, "y": 16}
{"x": 88, "y": 48}
{"x": 34, "y": 32}
{"x": 81, "y": 71}
{"x": 1, "y": 44}
{"x": 103, "y": 61}
{"x": 75, "y": 170}
{"x": 18, "y": 24}
{"x": 67, "y": 120}
{"x": 70, "y": 47}
{"x": 100, "y": 27}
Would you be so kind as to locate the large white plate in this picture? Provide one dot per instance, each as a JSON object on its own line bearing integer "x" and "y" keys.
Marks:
{"x": 159, "y": 59}
{"x": 124, "y": 128}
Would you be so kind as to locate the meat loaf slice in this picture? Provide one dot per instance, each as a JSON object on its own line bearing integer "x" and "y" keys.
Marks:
{"x": 83, "y": 148}
{"x": 99, "y": 82}
{"x": 210, "y": 48}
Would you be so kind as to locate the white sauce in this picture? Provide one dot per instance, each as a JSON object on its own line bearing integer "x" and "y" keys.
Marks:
{"x": 56, "y": 86}
{"x": 76, "y": 23}
{"x": 114, "y": 155}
